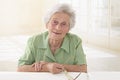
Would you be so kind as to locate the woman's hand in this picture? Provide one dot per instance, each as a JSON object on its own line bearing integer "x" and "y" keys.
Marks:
{"x": 51, "y": 67}
{"x": 55, "y": 68}
{"x": 38, "y": 65}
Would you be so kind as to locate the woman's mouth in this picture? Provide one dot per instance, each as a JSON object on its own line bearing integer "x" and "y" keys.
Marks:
{"x": 56, "y": 33}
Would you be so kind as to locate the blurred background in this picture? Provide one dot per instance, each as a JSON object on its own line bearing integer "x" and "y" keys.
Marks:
{"x": 97, "y": 23}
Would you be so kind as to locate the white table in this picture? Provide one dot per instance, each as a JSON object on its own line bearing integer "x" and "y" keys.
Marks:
{"x": 49, "y": 76}
{"x": 34, "y": 76}
{"x": 104, "y": 75}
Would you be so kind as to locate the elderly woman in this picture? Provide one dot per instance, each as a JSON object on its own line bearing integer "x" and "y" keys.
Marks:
{"x": 56, "y": 49}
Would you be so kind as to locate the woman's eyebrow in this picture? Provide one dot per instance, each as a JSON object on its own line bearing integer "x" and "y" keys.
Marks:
{"x": 54, "y": 18}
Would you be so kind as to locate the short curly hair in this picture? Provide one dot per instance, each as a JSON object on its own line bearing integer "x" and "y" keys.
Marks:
{"x": 66, "y": 8}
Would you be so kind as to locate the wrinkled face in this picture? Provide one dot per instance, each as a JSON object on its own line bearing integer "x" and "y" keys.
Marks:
{"x": 58, "y": 25}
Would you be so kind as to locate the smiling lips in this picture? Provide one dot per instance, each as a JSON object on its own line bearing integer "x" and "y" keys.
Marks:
{"x": 57, "y": 33}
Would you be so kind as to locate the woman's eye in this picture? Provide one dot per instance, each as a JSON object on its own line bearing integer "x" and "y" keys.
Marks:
{"x": 63, "y": 24}
{"x": 55, "y": 22}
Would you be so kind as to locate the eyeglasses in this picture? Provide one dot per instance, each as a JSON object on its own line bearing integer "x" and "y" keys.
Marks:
{"x": 70, "y": 77}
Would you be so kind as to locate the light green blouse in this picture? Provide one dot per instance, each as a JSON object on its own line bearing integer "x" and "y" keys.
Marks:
{"x": 37, "y": 49}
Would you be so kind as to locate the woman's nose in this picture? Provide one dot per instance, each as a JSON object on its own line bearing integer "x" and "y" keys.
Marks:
{"x": 58, "y": 27}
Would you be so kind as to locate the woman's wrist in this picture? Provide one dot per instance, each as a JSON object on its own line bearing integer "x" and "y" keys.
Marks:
{"x": 44, "y": 66}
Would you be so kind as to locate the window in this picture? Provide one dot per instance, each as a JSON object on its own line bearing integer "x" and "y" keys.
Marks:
{"x": 97, "y": 22}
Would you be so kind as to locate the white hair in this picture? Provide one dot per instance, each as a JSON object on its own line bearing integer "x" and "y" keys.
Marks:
{"x": 66, "y": 8}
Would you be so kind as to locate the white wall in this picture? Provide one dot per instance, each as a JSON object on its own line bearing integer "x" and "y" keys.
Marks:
{"x": 22, "y": 16}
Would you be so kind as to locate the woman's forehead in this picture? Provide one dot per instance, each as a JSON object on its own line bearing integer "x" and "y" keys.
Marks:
{"x": 60, "y": 15}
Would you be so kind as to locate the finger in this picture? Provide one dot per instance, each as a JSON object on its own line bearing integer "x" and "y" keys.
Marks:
{"x": 58, "y": 70}
{"x": 60, "y": 67}
{"x": 40, "y": 66}
{"x": 37, "y": 67}
{"x": 42, "y": 63}
{"x": 33, "y": 65}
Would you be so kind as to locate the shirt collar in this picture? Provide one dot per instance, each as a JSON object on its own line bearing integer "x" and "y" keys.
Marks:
{"x": 65, "y": 45}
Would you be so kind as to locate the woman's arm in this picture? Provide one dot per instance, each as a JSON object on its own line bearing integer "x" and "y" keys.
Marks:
{"x": 76, "y": 68}
{"x": 52, "y": 67}
{"x": 26, "y": 68}
{"x": 35, "y": 67}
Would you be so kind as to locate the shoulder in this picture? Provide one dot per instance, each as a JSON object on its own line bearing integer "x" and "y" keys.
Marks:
{"x": 39, "y": 36}
{"x": 73, "y": 37}
{"x": 35, "y": 39}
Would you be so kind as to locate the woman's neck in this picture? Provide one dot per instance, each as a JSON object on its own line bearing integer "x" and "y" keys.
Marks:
{"x": 55, "y": 43}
